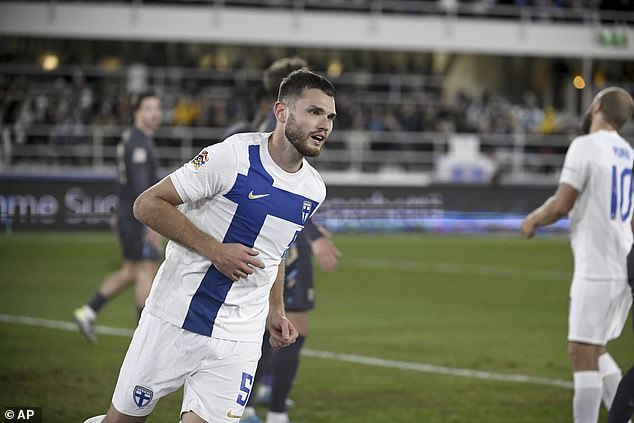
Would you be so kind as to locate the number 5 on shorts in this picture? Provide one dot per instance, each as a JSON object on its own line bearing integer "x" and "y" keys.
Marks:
{"x": 245, "y": 386}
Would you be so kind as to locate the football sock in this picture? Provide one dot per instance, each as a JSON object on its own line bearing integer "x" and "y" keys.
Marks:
{"x": 611, "y": 375}
{"x": 587, "y": 396}
{"x": 248, "y": 411}
{"x": 623, "y": 404}
{"x": 285, "y": 365}
{"x": 97, "y": 302}
{"x": 272, "y": 417}
{"x": 264, "y": 365}
{"x": 96, "y": 419}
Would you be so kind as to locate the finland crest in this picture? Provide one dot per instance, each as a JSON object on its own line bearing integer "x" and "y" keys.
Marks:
{"x": 306, "y": 209}
{"x": 142, "y": 395}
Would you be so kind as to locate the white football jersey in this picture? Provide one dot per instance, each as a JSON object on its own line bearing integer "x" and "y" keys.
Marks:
{"x": 236, "y": 193}
{"x": 599, "y": 167}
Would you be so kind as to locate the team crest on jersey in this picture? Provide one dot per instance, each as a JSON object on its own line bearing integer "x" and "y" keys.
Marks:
{"x": 200, "y": 160}
{"x": 307, "y": 207}
{"x": 142, "y": 395}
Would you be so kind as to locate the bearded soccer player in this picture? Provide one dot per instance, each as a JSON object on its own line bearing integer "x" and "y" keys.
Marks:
{"x": 229, "y": 214}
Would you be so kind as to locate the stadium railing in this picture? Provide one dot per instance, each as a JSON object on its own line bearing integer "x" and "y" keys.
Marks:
{"x": 519, "y": 157}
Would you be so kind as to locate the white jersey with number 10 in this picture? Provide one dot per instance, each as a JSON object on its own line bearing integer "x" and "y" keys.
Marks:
{"x": 599, "y": 167}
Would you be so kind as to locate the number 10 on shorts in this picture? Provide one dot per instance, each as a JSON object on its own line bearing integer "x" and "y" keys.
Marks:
{"x": 245, "y": 388}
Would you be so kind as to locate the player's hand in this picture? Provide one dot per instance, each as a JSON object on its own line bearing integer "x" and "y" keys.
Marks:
{"x": 528, "y": 228}
{"x": 325, "y": 252}
{"x": 282, "y": 331}
{"x": 236, "y": 260}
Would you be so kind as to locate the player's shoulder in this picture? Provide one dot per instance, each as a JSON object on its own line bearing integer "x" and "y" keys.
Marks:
{"x": 585, "y": 143}
{"x": 227, "y": 153}
{"x": 317, "y": 180}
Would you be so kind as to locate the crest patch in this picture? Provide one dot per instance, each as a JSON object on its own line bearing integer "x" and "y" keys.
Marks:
{"x": 307, "y": 207}
{"x": 142, "y": 395}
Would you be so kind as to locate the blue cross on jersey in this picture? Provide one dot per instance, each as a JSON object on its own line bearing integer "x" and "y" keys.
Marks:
{"x": 256, "y": 198}
{"x": 142, "y": 395}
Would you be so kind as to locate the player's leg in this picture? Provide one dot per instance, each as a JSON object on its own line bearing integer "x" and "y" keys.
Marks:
{"x": 217, "y": 392}
{"x": 115, "y": 416}
{"x": 131, "y": 241}
{"x": 159, "y": 358}
{"x": 598, "y": 311}
{"x": 96, "y": 419}
{"x": 610, "y": 376}
{"x": 623, "y": 405}
{"x": 285, "y": 367}
{"x": 588, "y": 385}
{"x": 263, "y": 368}
{"x": 111, "y": 286}
{"x": 191, "y": 417}
{"x": 145, "y": 271}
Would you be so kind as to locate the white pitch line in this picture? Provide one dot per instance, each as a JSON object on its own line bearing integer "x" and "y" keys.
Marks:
{"x": 348, "y": 358}
{"x": 430, "y": 368}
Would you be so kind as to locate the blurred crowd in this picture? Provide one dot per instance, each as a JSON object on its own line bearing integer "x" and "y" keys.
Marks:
{"x": 68, "y": 105}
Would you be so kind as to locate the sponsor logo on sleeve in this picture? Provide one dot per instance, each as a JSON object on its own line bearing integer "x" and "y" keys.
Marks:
{"x": 198, "y": 161}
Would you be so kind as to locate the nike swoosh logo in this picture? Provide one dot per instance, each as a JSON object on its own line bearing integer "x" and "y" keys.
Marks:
{"x": 233, "y": 416}
{"x": 253, "y": 196}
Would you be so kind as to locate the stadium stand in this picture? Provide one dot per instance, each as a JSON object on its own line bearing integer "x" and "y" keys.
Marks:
{"x": 497, "y": 73}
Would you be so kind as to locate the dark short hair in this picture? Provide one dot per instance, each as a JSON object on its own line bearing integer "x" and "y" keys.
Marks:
{"x": 279, "y": 70}
{"x": 617, "y": 108}
{"x": 138, "y": 98}
{"x": 297, "y": 81}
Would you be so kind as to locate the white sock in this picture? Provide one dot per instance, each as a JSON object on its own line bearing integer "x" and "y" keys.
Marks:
{"x": 248, "y": 412}
{"x": 272, "y": 417}
{"x": 96, "y": 419}
{"x": 611, "y": 375}
{"x": 90, "y": 313}
{"x": 587, "y": 397}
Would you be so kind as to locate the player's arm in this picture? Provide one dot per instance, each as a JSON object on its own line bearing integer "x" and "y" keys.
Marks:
{"x": 282, "y": 331}
{"x": 156, "y": 207}
{"x": 324, "y": 250}
{"x": 553, "y": 209}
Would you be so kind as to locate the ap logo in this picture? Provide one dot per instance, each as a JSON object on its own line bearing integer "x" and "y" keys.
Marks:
{"x": 142, "y": 395}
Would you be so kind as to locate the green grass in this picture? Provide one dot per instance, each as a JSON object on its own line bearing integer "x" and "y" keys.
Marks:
{"x": 494, "y": 304}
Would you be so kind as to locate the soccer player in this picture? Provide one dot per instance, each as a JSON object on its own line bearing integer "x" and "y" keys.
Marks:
{"x": 622, "y": 407}
{"x": 141, "y": 247}
{"x": 230, "y": 214}
{"x": 299, "y": 296}
{"x": 595, "y": 189}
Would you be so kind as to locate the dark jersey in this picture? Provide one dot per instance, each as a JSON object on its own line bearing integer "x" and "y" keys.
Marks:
{"x": 299, "y": 280}
{"x": 137, "y": 166}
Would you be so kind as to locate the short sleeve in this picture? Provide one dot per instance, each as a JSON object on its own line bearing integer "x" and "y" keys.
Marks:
{"x": 575, "y": 169}
{"x": 212, "y": 171}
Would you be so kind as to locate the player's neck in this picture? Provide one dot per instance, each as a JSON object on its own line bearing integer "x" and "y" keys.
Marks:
{"x": 284, "y": 153}
{"x": 600, "y": 125}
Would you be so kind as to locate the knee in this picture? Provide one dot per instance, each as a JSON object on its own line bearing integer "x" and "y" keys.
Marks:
{"x": 583, "y": 357}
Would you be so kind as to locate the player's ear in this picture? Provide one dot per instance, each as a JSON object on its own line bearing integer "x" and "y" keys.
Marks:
{"x": 281, "y": 111}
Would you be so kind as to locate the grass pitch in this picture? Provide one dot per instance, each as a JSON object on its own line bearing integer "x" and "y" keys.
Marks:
{"x": 410, "y": 328}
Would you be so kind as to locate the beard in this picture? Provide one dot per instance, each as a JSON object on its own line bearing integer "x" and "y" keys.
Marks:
{"x": 300, "y": 138}
{"x": 584, "y": 128}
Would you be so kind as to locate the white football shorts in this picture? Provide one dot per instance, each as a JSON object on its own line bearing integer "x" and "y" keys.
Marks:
{"x": 217, "y": 374}
{"x": 598, "y": 310}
